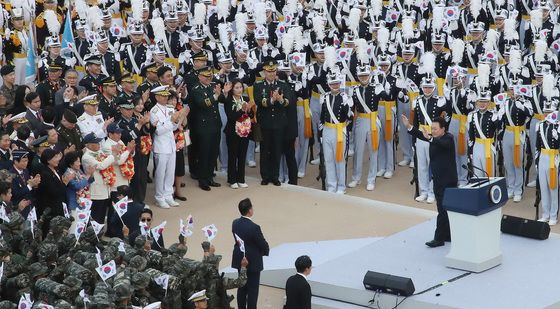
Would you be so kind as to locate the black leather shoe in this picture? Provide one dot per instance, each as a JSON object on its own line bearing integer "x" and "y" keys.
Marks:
{"x": 215, "y": 184}
{"x": 276, "y": 183}
{"x": 264, "y": 182}
{"x": 204, "y": 187}
{"x": 180, "y": 198}
{"x": 435, "y": 243}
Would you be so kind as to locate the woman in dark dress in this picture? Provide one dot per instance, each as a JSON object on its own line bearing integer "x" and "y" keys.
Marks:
{"x": 238, "y": 111}
{"x": 51, "y": 192}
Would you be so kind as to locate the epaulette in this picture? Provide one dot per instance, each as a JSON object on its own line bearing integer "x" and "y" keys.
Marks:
{"x": 82, "y": 117}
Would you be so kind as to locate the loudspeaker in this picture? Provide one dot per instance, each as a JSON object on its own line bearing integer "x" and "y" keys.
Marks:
{"x": 525, "y": 227}
{"x": 388, "y": 284}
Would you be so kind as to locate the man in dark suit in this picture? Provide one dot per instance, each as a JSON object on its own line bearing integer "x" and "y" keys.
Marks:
{"x": 23, "y": 185}
{"x": 443, "y": 170}
{"x": 255, "y": 248}
{"x": 298, "y": 291}
{"x": 5, "y": 151}
{"x": 33, "y": 114}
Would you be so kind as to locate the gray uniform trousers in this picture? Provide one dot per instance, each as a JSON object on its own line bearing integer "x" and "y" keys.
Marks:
{"x": 479, "y": 160}
{"x": 315, "y": 106}
{"x": 251, "y": 151}
{"x": 549, "y": 197}
{"x": 425, "y": 184}
{"x": 362, "y": 139}
{"x": 460, "y": 159}
{"x": 223, "y": 144}
{"x": 302, "y": 143}
{"x": 385, "y": 157}
{"x": 336, "y": 171}
{"x": 405, "y": 139}
{"x": 533, "y": 141}
{"x": 514, "y": 175}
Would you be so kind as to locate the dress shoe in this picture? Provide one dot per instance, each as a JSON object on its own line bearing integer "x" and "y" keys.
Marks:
{"x": 430, "y": 200}
{"x": 264, "y": 182}
{"x": 532, "y": 184}
{"x": 180, "y": 198}
{"x": 435, "y": 243}
{"x": 162, "y": 204}
{"x": 234, "y": 186}
{"x": 404, "y": 163}
{"x": 380, "y": 173}
{"x": 411, "y": 165}
{"x": 517, "y": 198}
{"x": 352, "y": 184}
{"x": 341, "y": 192}
{"x": 243, "y": 185}
{"x": 420, "y": 198}
{"x": 276, "y": 183}
{"x": 370, "y": 187}
{"x": 552, "y": 222}
{"x": 171, "y": 202}
{"x": 315, "y": 161}
{"x": 204, "y": 187}
{"x": 214, "y": 184}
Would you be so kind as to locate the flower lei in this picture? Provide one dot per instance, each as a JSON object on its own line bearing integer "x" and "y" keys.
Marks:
{"x": 145, "y": 144}
{"x": 127, "y": 168}
{"x": 109, "y": 176}
{"x": 243, "y": 126}
{"x": 83, "y": 192}
{"x": 180, "y": 139}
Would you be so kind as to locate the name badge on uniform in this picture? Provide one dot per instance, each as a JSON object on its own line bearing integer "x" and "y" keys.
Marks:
{"x": 208, "y": 102}
{"x": 99, "y": 120}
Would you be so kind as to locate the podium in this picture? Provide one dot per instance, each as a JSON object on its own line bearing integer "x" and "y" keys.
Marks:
{"x": 475, "y": 213}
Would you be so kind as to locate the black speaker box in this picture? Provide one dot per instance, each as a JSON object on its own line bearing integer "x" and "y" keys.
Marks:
{"x": 525, "y": 227}
{"x": 388, "y": 284}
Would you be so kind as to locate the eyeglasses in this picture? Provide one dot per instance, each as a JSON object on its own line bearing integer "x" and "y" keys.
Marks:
{"x": 146, "y": 219}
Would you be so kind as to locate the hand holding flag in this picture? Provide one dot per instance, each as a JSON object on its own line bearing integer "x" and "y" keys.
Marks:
{"x": 107, "y": 271}
{"x": 210, "y": 232}
{"x": 240, "y": 243}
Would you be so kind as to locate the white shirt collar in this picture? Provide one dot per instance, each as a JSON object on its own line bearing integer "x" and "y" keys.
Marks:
{"x": 304, "y": 276}
{"x": 247, "y": 217}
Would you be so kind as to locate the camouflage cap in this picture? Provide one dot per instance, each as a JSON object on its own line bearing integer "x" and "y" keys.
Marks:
{"x": 62, "y": 304}
{"x": 15, "y": 220}
{"x": 138, "y": 262}
{"x": 123, "y": 289}
{"x": 48, "y": 252}
{"x": 59, "y": 223}
{"x": 38, "y": 269}
{"x": 73, "y": 282}
{"x": 178, "y": 249}
{"x": 22, "y": 280}
{"x": 5, "y": 304}
{"x": 101, "y": 296}
{"x": 140, "y": 280}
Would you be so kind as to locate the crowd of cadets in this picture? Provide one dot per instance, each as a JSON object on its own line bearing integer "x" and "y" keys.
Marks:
{"x": 217, "y": 81}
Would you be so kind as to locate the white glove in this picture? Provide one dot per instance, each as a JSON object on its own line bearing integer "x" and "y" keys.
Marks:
{"x": 519, "y": 104}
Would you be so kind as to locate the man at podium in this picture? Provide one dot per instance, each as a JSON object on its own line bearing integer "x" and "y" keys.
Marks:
{"x": 442, "y": 169}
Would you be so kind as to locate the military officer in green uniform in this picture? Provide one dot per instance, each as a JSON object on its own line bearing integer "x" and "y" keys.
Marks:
{"x": 205, "y": 124}
{"x": 199, "y": 60}
{"x": 68, "y": 132}
{"x": 271, "y": 114}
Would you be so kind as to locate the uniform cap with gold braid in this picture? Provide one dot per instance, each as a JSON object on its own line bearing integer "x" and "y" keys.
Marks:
{"x": 89, "y": 100}
{"x": 198, "y": 296}
{"x": 161, "y": 90}
{"x": 108, "y": 81}
{"x": 205, "y": 71}
{"x": 201, "y": 55}
{"x": 127, "y": 77}
{"x": 40, "y": 142}
{"x": 19, "y": 118}
{"x": 270, "y": 65}
{"x": 53, "y": 66}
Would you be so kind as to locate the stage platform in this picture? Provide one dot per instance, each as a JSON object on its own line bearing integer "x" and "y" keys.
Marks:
{"x": 529, "y": 276}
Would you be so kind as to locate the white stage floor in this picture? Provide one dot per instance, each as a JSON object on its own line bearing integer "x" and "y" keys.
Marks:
{"x": 529, "y": 276}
